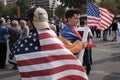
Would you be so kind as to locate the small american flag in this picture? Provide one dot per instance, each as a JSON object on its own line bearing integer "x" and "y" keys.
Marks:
{"x": 42, "y": 56}
{"x": 97, "y": 16}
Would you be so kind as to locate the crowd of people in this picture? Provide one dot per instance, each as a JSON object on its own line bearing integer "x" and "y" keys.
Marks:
{"x": 10, "y": 32}
{"x": 68, "y": 32}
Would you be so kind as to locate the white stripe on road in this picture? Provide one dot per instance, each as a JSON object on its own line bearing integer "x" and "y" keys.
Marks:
{"x": 105, "y": 73}
{"x": 106, "y": 50}
{"x": 9, "y": 74}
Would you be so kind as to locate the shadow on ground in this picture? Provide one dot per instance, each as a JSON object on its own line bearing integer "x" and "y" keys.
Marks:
{"x": 112, "y": 76}
{"x": 12, "y": 74}
{"x": 110, "y": 59}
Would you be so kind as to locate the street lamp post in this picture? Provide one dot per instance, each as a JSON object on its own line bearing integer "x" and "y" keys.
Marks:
{"x": 18, "y": 8}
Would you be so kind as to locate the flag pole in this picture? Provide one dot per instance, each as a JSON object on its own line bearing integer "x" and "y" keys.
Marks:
{"x": 84, "y": 39}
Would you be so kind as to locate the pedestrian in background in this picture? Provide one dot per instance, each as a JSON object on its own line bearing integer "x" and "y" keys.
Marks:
{"x": 52, "y": 25}
{"x": 3, "y": 43}
{"x": 14, "y": 33}
{"x": 24, "y": 28}
{"x": 118, "y": 31}
{"x": 92, "y": 30}
{"x": 105, "y": 34}
{"x": 114, "y": 30}
{"x": 87, "y": 56}
{"x": 98, "y": 32}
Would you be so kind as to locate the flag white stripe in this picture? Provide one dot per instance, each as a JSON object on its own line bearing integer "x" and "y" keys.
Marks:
{"x": 105, "y": 10}
{"x": 104, "y": 23}
{"x": 105, "y": 15}
{"x": 96, "y": 25}
{"x": 59, "y": 75}
{"x": 47, "y": 41}
{"x": 44, "y": 67}
{"x": 93, "y": 21}
{"x": 46, "y": 31}
{"x": 93, "y": 17}
{"x": 104, "y": 19}
{"x": 41, "y": 54}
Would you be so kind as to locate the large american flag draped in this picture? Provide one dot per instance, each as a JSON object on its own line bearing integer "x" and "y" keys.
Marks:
{"x": 97, "y": 16}
{"x": 42, "y": 56}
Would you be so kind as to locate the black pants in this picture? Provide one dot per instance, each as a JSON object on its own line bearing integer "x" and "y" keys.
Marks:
{"x": 98, "y": 33}
{"x": 3, "y": 52}
{"x": 87, "y": 60}
{"x": 11, "y": 58}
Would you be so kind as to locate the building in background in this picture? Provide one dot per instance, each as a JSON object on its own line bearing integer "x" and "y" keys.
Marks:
{"x": 8, "y": 1}
{"x": 98, "y": 1}
{"x": 49, "y": 5}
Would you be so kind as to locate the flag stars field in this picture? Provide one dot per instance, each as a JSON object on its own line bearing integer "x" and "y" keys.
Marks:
{"x": 34, "y": 40}
{"x": 36, "y": 48}
{"x": 21, "y": 45}
{"x": 26, "y": 49}
{"x": 31, "y": 44}
{"x": 26, "y": 41}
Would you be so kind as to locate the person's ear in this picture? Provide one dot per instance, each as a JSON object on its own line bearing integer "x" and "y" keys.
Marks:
{"x": 69, "y": 19}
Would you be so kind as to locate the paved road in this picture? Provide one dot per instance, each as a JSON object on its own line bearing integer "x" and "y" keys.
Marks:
{"x": 106, "y": 62}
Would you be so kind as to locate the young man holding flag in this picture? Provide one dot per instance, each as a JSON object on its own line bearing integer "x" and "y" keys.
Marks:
{"x": 69, "y": 34}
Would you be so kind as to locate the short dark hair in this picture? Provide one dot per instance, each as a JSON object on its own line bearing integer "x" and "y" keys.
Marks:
{"x": 82, "y": 22}
{"x": 1, "y": 21}
{"x": 31, "y": 13}
{"x": 70, "y": 13}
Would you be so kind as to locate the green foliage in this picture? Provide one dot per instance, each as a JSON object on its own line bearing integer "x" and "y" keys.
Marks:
{"x": 118, "y": 6}
{"x": 73, "y": 3}
{"x": 112, "y": 5}
{"x": 77, "y": 4}
{"x": 1, "y": 8}
{"x": 60, "y": 11}
{"x": 10, "y": 10}
{"x": 24, "y": 7}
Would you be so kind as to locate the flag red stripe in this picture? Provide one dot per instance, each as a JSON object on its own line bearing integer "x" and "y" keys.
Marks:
{"x": 106, "y": 18}
{"x": 100, "y": 28}
{"x": 45, "y": 60}
{"x": 104, "y": 25}
{"x": 51, "y": 47}
{"x": 92, "y": 21}
{"x": 104, "y": 13}
{"x": 46, "y": 35}
{"x": 92, "y": 18}
{"x": 107, "y": 11}
{"x": 52, "y": 71}
{"x": 72, "y": 77}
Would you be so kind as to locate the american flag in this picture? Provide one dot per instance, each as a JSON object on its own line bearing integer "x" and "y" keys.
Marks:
{"x": 42, "y": 56}
{"x": 97, "y": 16}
